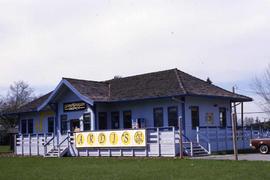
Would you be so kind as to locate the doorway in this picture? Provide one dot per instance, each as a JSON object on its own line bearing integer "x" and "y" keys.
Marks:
{"x": 74, "y": 123}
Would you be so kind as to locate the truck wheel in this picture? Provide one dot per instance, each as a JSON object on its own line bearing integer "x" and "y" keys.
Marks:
{"x": 264, "y": 149}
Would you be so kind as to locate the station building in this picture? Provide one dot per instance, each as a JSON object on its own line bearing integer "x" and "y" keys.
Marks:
{"x": 129, "y": 116}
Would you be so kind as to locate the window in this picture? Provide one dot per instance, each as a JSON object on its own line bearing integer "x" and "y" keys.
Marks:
{"x": 158, "y": 117}
{"x": 102, "y": 119}
{"x": 24, "y": 126}
{"x": 27, "y": 126}
{"x": 115, "y": 120}
{"x": 222, "y": 117}
{"x": 51, "y": 125}
{"x": 127, "y": 119}
{"x": 87, "y": 122}
{"x": 30, "y": 126}
{"x": 63, "y": 119}
{"x": 195, "y": 117}
{"x": 173, "y": 116}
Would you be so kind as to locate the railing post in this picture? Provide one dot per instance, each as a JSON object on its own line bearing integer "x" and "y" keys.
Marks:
{"x": 45, "y": 142}
{"x": 37, "y": 145}
{"x": 197, "y": 134}
{"x": 22, "y": 144}
{"x": 217, "y": 137}
{"x": 209, "y": 148}
{"x": 174, "y": 141}
{"x": 58, "y": 151}
{"x": 29, "y": 143}
{"x": 191, "y": 149}
{"x": 226, "y": 138}
{"x": 15, "y": 144}
{"x": 158, "y": 143}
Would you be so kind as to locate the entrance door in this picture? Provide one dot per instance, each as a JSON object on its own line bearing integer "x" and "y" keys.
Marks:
{"x": 74, "y": 124}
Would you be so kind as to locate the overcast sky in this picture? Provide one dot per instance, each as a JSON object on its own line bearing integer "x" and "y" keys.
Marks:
{"x": 43, "y": 41}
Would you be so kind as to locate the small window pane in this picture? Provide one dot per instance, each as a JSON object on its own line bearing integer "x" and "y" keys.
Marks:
{"x": 30, "y": 126}
{"x": 222, "y": 117}
{"x": 87, "y": 122}
{"x": 51, "y": 125}
{"x": 63, "y": 124}
{"x": 23, "y": 127}
{"x": 115, "y": 120}
{"x": 195, "y": 117}
{"x": 158, "y": 117}
{"x": 127, "y": 119}
{"x": 102, "y": 119}
{"x": 173, "y": 116}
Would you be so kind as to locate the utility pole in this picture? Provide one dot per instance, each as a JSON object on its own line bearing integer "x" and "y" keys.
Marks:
{"x": 234, "y": 122}
{"x": 180, "y": 138}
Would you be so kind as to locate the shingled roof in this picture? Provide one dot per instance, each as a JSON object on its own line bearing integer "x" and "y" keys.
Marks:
{"x": 166, "y": 83}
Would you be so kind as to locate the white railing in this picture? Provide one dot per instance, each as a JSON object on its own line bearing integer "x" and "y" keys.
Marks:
{"x": 200, "y": 137}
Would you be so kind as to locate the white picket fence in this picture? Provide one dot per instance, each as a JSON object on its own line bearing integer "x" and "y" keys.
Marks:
{"x": 31, "y": 144}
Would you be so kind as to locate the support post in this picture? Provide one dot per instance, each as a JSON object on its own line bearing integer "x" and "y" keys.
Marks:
{"x": 180, "y": 138}
{"x": 234, "y": 123}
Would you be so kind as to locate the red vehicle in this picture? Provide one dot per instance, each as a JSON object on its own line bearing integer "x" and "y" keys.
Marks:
{"x": 261, "y": 144}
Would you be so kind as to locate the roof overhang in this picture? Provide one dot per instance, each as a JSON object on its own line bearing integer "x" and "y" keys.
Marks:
{"x": 71, "y": 88}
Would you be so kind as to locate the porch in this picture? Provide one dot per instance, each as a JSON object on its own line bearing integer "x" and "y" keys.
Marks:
{"x": 160, "y": 142}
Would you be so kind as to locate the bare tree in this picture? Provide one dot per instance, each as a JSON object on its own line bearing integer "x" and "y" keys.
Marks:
{"x": 262, "y": 89}
{"x": 19, "y": 94}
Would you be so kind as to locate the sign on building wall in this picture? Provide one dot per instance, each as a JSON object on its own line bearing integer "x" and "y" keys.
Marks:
{"x": 125, "y": 138}
{"x": 210, "y": 118}
{"x": 74, "y": 106}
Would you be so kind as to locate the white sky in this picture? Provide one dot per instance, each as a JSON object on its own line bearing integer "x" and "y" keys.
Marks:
{"x": 42, "y": 41}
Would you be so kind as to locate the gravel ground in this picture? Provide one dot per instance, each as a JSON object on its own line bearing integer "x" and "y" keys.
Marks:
{"x": 248, "y": 157}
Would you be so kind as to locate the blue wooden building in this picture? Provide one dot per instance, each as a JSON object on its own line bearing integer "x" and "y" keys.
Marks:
{"x": 147, "y": 107}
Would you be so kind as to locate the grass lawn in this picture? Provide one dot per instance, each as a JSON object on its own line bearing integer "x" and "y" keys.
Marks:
{"x": 4, "y": 149}
{"x": 127, "y": 168}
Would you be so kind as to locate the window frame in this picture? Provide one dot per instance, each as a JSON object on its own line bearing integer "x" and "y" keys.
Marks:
{"x": 22, "y": 127}
{"x": 50, "y": 119}
{"x": 106, "y": 122}
{"x": 112, "y": 120}
{"x": 168, "y": 116}
{"x": 65, "y": 121}
{"x": 87, "y": 122}
{"x": 124, "y": 121}
{"x": 223, "y": 121}
{"x": 195, "y": 123}
{"x": 154, "y": 117}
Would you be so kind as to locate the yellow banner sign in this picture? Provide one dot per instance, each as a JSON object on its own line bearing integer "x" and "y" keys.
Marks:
{"x": 125, "y": 138}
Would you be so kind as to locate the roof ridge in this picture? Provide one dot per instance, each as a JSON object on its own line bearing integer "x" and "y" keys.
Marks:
{"x": 180, "y": 82}
{"x": 84, "y": 80}
{"x": 143, "y": 74}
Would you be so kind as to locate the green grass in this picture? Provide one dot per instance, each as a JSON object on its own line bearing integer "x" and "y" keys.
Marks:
{"x": 4, "y": 149}
{"x": 122, "y": 168}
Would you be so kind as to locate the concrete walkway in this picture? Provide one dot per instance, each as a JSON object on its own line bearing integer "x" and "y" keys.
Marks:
{"x": 248, "y": 157}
